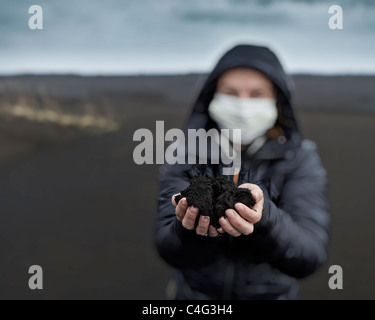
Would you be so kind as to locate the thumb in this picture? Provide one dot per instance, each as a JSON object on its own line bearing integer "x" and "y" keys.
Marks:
{"x": 256, "y": 191}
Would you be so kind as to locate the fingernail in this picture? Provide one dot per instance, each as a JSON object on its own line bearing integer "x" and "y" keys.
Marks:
{"x": 184, "y": 202}
{"x": 205, "y": 218}
{"x": 193, "y": 210}
{"x": 229, "y": 214}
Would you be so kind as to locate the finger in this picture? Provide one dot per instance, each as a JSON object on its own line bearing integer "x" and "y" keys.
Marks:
{"x": 227, "y": 227}
{"x": 173, "y": 199}
{"x": 181, "y": 209}
{"x": 188, "y": 221}
{"x": 220, "y": 230}
{"x": 249, "y": 214}
{"x": 257, "y": 194}
{"x": 212, "y": 232}
{"x": 238, "y": 223}
{"x": 259, "y": 201}
{"x": 256, "y": 191}
{"x": 258, "y": 207}
{"x": 203, "y": 225}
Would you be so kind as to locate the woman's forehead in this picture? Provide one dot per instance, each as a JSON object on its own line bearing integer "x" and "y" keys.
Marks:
{"x": 244, "y": 77}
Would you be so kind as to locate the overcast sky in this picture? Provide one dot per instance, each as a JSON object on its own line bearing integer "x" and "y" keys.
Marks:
{"x": 179, "y": 36}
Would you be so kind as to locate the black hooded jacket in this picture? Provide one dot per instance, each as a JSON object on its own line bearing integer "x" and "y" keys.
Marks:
{"x": 291, "y": 239}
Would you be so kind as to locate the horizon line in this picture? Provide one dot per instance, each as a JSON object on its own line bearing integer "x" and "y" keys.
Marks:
{"x": 169, "y": 74}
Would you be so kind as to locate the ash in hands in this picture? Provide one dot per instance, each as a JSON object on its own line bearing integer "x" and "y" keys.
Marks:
{"x": 213, "y": 196}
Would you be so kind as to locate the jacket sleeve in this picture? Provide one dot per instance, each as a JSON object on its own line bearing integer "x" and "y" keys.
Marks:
{"x": 178, "y": 246}
{"x": 293, "y": 235}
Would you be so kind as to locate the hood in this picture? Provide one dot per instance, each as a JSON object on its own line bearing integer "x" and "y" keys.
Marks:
{"x": 251, "y": 56}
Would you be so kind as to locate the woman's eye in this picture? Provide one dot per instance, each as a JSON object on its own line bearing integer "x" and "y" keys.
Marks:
{"x": 232, "y": 94}
{"x": 257, "y": 93}
{"x": 261, "y": 94}
{"x": 228, "y": 92}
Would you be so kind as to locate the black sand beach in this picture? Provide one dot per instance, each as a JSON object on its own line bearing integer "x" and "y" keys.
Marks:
{"x": 72, "y": 200}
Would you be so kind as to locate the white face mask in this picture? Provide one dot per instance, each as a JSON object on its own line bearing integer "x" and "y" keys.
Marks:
{"x": 254, "y": 116}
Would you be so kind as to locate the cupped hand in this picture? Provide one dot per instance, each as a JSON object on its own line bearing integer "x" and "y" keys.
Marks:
{"x": 188, "y": 216}
{"x": 242, "y": 220}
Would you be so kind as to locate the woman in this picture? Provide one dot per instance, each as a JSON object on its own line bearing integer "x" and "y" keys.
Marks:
{"x": 261, "y": 251}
